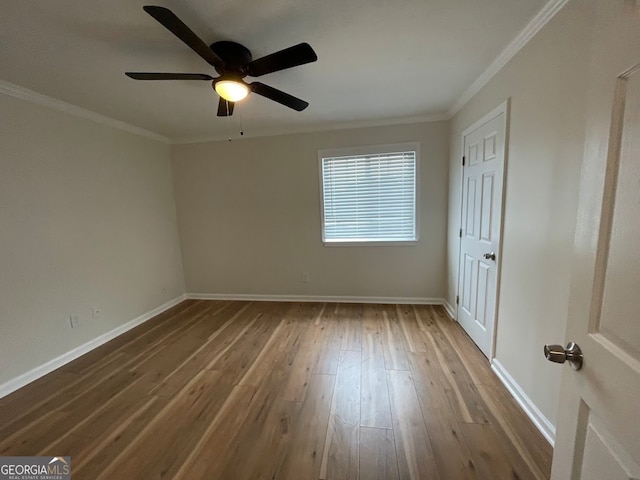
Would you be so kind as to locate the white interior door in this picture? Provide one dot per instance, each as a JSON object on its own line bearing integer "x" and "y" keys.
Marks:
{"x": 484, "y": 146}
{"x": 599, "y": 417}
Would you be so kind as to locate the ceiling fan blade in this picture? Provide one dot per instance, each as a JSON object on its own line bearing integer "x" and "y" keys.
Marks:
{"x": 172, "y": 23}
{"x": 278, "y": 96}
{"x": 225, "y": 108}
{"x": 167, "y": 76}
{"x": 287, "y": 58}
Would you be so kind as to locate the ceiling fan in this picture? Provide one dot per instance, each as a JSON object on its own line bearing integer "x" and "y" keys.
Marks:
{"x": 233, "y": 62}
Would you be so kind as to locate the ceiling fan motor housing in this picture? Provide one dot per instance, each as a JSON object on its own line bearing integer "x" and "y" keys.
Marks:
{"x": 234, "y": 55}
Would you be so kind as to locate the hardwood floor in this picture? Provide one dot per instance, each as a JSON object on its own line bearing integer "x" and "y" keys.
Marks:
{"x": 238, "y": 390}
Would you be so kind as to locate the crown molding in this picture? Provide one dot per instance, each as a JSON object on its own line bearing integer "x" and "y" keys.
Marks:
{"x": 314, "y": 128}
{"x": 526, "y": 34}
{"x": 22, "y": 93}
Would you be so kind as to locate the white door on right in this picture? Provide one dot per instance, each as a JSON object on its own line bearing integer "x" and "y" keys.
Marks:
{"x": 599, "y": 417}
{"x": 482, "y": 172}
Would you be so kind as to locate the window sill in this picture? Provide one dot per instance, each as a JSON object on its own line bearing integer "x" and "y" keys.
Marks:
{"x": 400, "y": 243}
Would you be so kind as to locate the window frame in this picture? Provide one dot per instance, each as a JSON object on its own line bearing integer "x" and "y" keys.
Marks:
{"x": 371, "y": 150}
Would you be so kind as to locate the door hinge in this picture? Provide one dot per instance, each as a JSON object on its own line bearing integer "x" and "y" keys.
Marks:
{"x": 460, "y": 233}
{"x": 457, "y": 299}
{"x": 463, "y": 161}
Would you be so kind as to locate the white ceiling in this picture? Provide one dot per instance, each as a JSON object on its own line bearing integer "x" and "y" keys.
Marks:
{"x": 378, "y": 60}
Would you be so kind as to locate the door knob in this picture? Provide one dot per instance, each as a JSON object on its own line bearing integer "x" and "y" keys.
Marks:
{"x": 490, "y": 256}
{"x": 558, "y": 354}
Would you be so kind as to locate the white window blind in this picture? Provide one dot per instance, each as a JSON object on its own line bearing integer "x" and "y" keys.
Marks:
{"x": 369, "y": 198}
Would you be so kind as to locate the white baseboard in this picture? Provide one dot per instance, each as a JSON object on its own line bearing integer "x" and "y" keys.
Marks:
{"x": 533, "y": 412}
{"x": 449, "y": 308}
{"x": 315, "y": 298}
{"x": 28, "y": 377}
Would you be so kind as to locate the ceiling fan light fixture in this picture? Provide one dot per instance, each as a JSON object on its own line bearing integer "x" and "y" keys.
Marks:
{"x": 233, "y": 62}
{"x": 231, "y": 90}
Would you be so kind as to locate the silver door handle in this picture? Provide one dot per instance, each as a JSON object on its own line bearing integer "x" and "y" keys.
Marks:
{"x": 490, "y": 256}
{"x": 571, "y": 354}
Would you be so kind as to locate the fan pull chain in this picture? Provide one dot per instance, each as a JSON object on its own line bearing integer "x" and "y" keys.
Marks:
{"x": 241, "y": 122}
{"x": 227, "y": 105}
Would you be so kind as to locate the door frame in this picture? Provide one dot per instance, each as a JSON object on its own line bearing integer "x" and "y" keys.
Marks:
{"x": 503, "y": 108}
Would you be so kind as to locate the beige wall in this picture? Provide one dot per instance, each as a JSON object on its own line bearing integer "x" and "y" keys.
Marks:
{"x": 545, "y": 82}
{"x": 249, "y": 217}
{"x": 87, "y": 219}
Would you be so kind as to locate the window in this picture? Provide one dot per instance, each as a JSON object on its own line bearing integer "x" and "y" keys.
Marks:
{"x": 369, "y": 194}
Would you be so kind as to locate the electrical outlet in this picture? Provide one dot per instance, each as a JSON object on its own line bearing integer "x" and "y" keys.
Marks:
{"x": 96, "y": 313}
{"x": 305, "y": 277}
{"x": 74, "y": 321}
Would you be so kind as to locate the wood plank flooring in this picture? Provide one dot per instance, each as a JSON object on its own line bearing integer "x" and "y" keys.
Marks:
{"x": 300, "y": 391}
